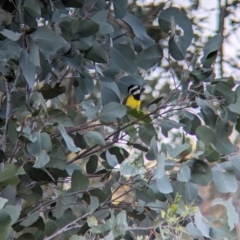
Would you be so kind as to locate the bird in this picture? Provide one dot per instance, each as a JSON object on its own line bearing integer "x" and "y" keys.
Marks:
{"x": 133, "y": 101}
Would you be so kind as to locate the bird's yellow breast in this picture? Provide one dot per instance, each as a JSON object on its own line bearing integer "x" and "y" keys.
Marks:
{"x": 133, "y": 103}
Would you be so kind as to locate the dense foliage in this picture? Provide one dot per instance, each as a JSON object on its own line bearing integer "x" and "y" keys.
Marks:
{"x": 64, "y": 68}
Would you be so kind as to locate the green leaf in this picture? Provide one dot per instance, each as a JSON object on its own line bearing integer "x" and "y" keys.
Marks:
{"x": 120, "y": 153}
{"x": 201, "y": 224}
{"x": 153, "y": 150}
{"x": 33, "y": 8}
{"x": 80, "y": 182}
{"x": 184, "y": 173}
{"x": 90, "y": 109}
{"x": 201, "y": 74}
{"x": 57, "y": 157}
{"x": 97, "y": 54}
{"x": 178, "y": 44}
{"x": 146, "y": 132}
{"x": 120, "y": 8}
{"x": 176, "y": 152}
{"x": 34, "y": 52}
{"x": 138, "y": 29}
{"x": 59, "y": 116}
{"x": 11, "y": 35}
{"x": 13, "y": 211}
{"x": 100, "y": 18}
{"x": 2, "y": 202}
{"x": 93, "y": 137}
{"x": 225, "y": 91}
{"x": 235, "y": 107}
{"x": 222, "y": 231}
{"x": 30, "y": 195}
{"x": 235, "y": 160}
{"x": 206, "y": 135}
{"x": 124, "y": 57}
{"x": 121, "y": 224}
{"x": 167, "y": 125}
{"x": 68, "y": 140}
{"x": 92, "y": 164}
{"x": 191, "y": 192}
{"x": 10, "y": 175}
{"x": 87, "y": 28}
{"x": 94, "y": 204}
{"x": 50, "y": 92}
{"x": 159, "y": 172}
{"x": 111, "y": 159}
{"x": 193, "y": 230}
{"x": 5, "y": 224}
{"x": 49, "y": 42}
{"x": 163, "y": 185}
{"x": 210, "y": 50}
{"x": 150, "y": 56}
{"x": 39, "y": 148}
{"x": 112, "y": 111}
{"x": 30, "y": 220}
{"x": 224, "y": 178}
{"x": 225, "y": 146}
{"x": 12, "y": 132}
{"x": 28, "y": 68}
{"x": 109, "y": 96}
{"x": 201, "y": 173}
{"x": 231, "y": 212}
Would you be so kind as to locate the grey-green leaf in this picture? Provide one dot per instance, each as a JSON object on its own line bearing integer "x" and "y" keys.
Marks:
{"x": 123, "y": 55}
{"x": 93, "y": 137}
{"x": 80, "y": 182}
{"x": 68, "y": 140}
{"x": 112, "y": 111}
{"x": 148, "y": 57}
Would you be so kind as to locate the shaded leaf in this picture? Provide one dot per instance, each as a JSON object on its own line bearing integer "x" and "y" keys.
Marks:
{"x": 149, "y": 56}
{"x": 146, "y": 132}
{"x": 202, "y": 225}
{"x": 138, "y": 29}
{"x": 97, "y": 54}
{"x": 124, "y": 57}
{"x": 80, "y": 182}
{"x": 120, "y": 8}
{"x": 28, "y": 68}
{"x": 164, "y": 185}
{"x": 109, "y": 96}
{"x": 153, "y": 150}
{"x": 68, "y": 140}
{"x": 159, "y": 172}
{"x": 50, "y": 92}
{"x": 49, "y": 42}
{"x": 92, "y": 138}
{"x": 112, "y": 111}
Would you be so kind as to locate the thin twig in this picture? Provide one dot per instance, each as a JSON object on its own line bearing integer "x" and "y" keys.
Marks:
{"x": 67, "y": 227}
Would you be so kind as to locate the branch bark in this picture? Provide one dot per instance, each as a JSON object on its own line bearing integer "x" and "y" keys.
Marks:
{"x": 7, "y": 119}
{"x": 221, "y": 29}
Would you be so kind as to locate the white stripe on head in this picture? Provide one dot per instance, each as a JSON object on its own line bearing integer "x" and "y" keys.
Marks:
{"x": 137, "y": 92}
{"x": 131, "y": 90}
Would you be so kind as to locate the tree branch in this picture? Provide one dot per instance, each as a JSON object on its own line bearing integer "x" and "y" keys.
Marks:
{"x": 221, "y": 29}
{"x": 67, "y": 227}
{"x": 7, "y": 119}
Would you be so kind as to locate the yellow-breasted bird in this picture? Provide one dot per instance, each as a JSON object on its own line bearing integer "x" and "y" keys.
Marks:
{"x": 133, "y": 101}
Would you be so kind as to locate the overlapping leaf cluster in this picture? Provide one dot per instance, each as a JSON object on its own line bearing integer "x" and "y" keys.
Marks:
{"x": 64, "y": 66}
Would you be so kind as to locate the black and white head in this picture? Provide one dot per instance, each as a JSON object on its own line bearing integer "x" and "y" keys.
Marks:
{"x": 136, "y": 91}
